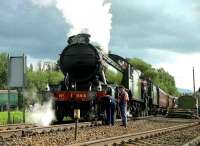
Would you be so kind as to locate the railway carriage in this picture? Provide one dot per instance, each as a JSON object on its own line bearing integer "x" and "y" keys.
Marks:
{"x": 154, "y": 99}
{"x": 186, "y": 102}
{"x": 4, "y": 99}
{"x": 171, "y": 102}
{"x": 163, "y": 101}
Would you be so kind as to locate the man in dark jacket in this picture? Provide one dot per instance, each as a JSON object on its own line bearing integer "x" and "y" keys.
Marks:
{"x": 110, "y": 104}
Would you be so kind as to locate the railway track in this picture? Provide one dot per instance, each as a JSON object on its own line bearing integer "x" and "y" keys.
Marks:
{"x": 24, "y": 130}
{"x": 175, "y": 135}
{"x": 17, "y": 130}
{"x": 16, "y": 126}
{"x": 193, "y": 142}
{"x": 60, "y": 133}
{"x": 171, "y": 120}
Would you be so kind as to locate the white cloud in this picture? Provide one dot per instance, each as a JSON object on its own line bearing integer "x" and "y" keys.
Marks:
{"x": 35, "y": 61}
{"x": 43, "y": 3}
{"x": 167, "y": 25}
{"x": 181, "y": 68}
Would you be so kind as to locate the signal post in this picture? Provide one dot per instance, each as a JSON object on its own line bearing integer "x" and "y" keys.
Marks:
{"x": 76, "y": 117}
{"x": 197, "y": 102}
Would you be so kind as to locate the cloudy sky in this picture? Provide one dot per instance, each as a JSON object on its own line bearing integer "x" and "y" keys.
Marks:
{"x": 163, "y": 33}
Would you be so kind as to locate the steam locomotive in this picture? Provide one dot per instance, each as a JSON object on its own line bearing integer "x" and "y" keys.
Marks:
{"x": 88, "y": 73}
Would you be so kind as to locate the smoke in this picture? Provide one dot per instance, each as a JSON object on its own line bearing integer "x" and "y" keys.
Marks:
{"x": 41, "y": 114}
{"x": 86, "y": 16}
{"x": 30, "y": 96}
{"x": 37, "y": 113}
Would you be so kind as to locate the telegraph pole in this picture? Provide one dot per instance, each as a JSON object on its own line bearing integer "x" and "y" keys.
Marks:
{"x": 197, "y": 104}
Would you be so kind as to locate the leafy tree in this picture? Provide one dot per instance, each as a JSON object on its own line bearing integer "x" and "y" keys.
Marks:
{"x": 57, "y": 67}
{"x": 49, "y": 67}
{"x": 40, "y": 79}
{"x": 37, "y": 83}
{"x": 159, "y": 76}
{"x": 150, "y": 73}
{"x": 140, "y": 64}
{"x": 30, "y": 78}
{"x": 30, "y": 67}
{"x": 3, "y": 70}
{"x": 39, "y": 66}
{"x": 54, "y": 77}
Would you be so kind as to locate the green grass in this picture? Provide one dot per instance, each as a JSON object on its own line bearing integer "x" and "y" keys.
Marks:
{"x": 67, "y": 119}
{"x": 16, "y": 117}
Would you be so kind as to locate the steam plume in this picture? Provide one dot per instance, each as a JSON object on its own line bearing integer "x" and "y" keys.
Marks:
{"x": 86, "y": 16}
{"x": 41, "y": 115}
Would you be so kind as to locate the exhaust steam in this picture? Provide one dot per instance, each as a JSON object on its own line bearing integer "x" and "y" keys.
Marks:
{"x": 41, "y": 114}
{"x": 85, "y": 16}
{"x": 37, "y": 113}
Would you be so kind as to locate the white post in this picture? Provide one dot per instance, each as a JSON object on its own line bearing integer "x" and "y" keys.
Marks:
{"x": 197, "y": 104}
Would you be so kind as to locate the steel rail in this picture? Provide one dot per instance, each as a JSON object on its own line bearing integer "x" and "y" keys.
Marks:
{"x": 18, "y": 129}
{"x": 16, "y": 126}
{"x": 36, "y": 130}
{"x": 193, "y": 142}
{"x": 134, "y": 136}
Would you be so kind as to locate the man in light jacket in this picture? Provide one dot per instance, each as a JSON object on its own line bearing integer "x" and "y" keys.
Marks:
{"x": 123, "y": 99}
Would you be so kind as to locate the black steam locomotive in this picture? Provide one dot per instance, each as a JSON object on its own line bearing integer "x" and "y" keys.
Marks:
{"x": 88, "y": 73}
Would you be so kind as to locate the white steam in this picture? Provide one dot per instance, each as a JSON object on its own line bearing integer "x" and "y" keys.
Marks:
{"x": 86, "y": 16}
{"x": 30, "y": 96}
{"x": 41, "y": 115}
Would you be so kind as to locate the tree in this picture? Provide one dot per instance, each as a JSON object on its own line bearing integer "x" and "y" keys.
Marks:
{"x": 40, "y": 79}
{"x": 150, "y": 73}
{"x": 57, "y": 66}
{"x": 49, "y": 68}
{"x": 139, "y": 64}
{"x": 30, "y": 67}
{"x": 37, "y": 79}
{"x": 55, "y": 77}
{"x": 3, "y": 70}
{"x": 39, "y": 66}
{"x": 159, "y": 76}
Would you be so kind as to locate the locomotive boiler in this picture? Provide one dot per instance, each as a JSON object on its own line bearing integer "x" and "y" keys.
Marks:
{"x": 83, "y": 64}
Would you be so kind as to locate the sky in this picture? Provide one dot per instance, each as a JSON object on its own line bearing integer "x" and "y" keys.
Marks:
{"x": 163, "y": 33}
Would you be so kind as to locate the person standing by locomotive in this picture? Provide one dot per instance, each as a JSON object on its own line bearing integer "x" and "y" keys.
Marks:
{"x": 110, "y": 104}
{"x": 123, "y": 99}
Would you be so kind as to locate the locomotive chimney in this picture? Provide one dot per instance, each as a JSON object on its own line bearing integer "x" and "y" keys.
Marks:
{"x": 79, "y": 39}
